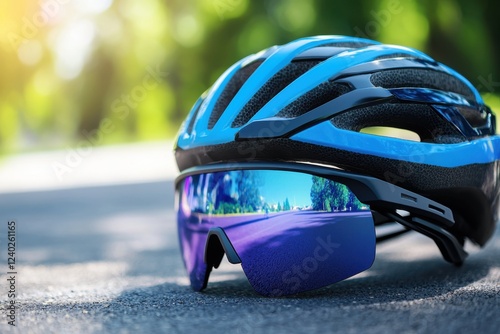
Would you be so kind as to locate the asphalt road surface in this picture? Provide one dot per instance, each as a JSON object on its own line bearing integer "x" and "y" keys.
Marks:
{"x": 106, "y": 259}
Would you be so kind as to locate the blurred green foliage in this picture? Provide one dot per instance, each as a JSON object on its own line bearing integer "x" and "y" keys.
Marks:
{"x": 124, "y": 70}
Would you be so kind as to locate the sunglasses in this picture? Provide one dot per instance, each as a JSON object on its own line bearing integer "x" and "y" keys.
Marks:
{"x": 296, "y": 227}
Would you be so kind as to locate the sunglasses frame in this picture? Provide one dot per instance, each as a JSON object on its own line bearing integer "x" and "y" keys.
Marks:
{"x": 426, "y": 216}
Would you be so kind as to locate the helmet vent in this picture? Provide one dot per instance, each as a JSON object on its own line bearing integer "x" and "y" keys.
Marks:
{"x": 354, "y": 45}
{"x": 423, "y": 79}
{"x": 271, "y": 88}
{"x": 387, "y": 131}
{"x": 321, "y": 94}
{"x": 475, "y": 118}
{"x": 231, "y": 89}
{"x": 395, "y": 55}
{"x": 421, "y": 119}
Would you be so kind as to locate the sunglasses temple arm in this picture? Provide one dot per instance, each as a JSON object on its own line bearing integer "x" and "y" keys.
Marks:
{"x": 384, "y": 198}
{"x": 380, "y": 220}
{"x": 392, "y": 235}
{"x": 450, "y": 247}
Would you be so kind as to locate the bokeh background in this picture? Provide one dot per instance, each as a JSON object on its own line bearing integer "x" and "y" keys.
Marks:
{"x": 113, "y": 71}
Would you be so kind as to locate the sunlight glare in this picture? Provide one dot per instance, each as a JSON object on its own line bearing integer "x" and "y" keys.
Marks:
{"x": 73, "y": 45}
{"x": 30, "y": 52}
{"x": 93, "y": 6}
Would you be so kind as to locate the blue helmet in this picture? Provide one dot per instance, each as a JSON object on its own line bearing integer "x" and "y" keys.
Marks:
{"x": 306, "y": 101}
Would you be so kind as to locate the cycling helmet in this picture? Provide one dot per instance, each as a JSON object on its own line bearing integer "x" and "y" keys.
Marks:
{"x": 308, "y": 100}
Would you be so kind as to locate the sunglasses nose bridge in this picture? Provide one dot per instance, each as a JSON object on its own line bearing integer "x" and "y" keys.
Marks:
{"x": 217, "y": 244}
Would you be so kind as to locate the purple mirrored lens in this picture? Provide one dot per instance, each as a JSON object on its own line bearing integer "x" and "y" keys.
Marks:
{"x": 192, "y": 228}
{"x": 292, "y": 231}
